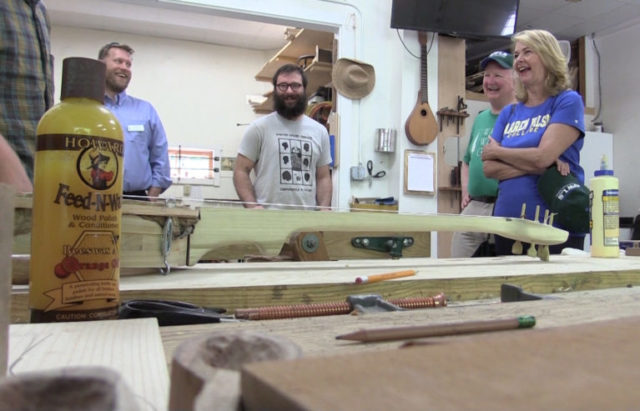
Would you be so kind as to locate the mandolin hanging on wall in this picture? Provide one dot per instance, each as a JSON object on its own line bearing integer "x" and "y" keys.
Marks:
{"x": 421, "y": 126}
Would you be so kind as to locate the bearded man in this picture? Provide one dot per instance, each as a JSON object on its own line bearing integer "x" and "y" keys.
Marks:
{"x": 288, "y": 151}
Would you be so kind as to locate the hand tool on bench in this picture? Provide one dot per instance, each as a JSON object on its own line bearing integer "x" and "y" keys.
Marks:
{"x": 172, "y": 312}
{"x": 510, "y": 293}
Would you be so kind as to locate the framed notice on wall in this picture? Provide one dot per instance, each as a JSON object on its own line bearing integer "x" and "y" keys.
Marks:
{"x": 419, "y": 172}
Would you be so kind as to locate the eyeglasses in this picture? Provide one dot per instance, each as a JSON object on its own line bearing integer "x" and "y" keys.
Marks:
{"x": 284, "y": 86}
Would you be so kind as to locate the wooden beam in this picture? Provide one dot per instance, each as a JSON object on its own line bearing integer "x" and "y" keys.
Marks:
{"x": 247, "y": 285}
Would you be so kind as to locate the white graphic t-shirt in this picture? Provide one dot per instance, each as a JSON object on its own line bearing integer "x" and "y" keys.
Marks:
{"x": 286, "y": 154}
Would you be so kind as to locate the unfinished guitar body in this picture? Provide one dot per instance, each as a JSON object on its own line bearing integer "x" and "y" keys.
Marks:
{"x": 421, "y": 126}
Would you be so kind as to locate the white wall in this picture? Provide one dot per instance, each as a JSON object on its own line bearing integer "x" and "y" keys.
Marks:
{"x": 620, "y": 108}
{"x": 198, "y": 89}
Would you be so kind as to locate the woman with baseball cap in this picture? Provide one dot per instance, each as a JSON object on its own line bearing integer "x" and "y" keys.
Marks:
{"x": 546, "y": 125}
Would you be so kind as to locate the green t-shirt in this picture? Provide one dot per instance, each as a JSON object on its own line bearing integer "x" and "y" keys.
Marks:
{"x": 478, "y": 184}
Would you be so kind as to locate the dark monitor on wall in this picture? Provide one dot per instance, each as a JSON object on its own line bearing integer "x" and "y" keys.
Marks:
{"x": 473, "y": 19}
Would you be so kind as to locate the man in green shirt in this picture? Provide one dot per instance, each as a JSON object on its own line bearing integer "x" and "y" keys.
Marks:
{"x": 479, "y": 192}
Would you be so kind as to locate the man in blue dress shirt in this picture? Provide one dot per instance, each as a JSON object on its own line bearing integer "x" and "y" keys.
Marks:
{"x": 146, "y": 155}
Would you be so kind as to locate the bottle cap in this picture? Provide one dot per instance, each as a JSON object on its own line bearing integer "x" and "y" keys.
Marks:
{"x": 598, "y": 173}
{"x": 83, "y": 77}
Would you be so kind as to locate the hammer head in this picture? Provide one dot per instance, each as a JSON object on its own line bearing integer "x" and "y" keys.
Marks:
{"x": 511, "y": 293}
{"x": 369, "y": 303}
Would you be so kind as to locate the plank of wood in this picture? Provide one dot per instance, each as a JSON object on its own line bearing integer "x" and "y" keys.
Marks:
{"x": 7, "y": 196}
{"x": 451, "y": 85}
{"x": 246, "y": 285}
{"x": 592, "y": 366}
{"x": 316, "y": 335}
{"x": 142, "y": 235}
{"x": 133, "y": 348}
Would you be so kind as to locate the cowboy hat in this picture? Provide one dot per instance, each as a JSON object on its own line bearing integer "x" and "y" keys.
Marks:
{"x": 352, "y": 78}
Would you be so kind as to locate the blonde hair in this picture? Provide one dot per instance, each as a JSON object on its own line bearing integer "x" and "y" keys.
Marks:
{"x": 545, "y": 45}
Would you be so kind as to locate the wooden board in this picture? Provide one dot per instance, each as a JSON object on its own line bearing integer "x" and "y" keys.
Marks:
{"x": 142, "y": 235}
{"x": 316, "y": 335}
{"x": 592, "y": 366}
{"x": 7, "y": 196}
{"x": 133, "y": 348}
{"x": 243, "y": 285}
{"x": 451, "y": 85}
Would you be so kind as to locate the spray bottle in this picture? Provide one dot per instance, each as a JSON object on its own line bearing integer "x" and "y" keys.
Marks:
{"x": 75, "y": 247}
{"x": 605, "y": 210}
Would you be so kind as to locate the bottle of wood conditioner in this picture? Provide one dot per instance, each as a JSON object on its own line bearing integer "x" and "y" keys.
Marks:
{"x": 75, "y": 237}
{"x": 605, "y": 211}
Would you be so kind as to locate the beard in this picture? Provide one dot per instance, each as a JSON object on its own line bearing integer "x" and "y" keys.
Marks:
{"x": 116, "y": 84}
{"x": 288, "y": 110}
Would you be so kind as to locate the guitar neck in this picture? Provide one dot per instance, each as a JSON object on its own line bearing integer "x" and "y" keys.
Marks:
{"x": 424, "y": 91}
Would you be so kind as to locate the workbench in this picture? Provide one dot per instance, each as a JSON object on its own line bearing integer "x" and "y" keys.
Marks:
{"x": 245, "y": 285}
{"x": 315, "y": 336}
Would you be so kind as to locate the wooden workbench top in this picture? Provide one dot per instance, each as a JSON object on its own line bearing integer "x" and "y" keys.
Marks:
{"x": 316, "y": 335}
{"x": 245, "y": 285}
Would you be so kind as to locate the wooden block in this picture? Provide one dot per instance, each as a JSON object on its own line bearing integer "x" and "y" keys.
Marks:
{"x": 591, "y": 366}
{"x": 373, "y": 207}
{"x": 339, "y": 246}
{"x": 133, "y": 348}
{"x": 205, "y": 369}
{"x": 7, "y": 195}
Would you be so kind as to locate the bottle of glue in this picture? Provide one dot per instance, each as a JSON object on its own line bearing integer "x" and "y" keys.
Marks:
{"x": 605, "y": 210}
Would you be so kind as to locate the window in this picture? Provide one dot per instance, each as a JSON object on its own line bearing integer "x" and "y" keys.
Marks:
{"x": 193, "y": 164}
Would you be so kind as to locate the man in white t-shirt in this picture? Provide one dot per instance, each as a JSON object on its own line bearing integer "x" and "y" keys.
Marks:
{"x": 288, "y": 150}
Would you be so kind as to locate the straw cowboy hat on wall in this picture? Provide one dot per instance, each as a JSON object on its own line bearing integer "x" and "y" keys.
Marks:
{"x": 352, "y": 78}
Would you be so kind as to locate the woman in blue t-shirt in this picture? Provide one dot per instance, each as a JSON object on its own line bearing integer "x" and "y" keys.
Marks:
{"x": 545, "y": 126}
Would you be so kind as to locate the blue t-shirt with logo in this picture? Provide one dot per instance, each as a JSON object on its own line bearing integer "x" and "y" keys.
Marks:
{"x": 519, "y": 126}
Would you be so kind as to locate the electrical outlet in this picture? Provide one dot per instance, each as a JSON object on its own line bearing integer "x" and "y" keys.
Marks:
{"x": 358, "y": 173}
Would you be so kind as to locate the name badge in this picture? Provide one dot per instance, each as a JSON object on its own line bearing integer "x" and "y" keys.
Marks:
{"x": 135, "y": 127}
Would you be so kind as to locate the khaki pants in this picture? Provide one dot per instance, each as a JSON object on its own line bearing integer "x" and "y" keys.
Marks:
{"x": 464, "y": 244}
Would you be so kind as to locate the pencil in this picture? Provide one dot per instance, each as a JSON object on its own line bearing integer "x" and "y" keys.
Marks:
{"x": 381, "y": 277}
{"x": 435, "y": 330}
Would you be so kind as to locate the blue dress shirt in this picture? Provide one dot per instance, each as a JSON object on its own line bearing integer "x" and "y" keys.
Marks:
{"x": 146, "y": 151}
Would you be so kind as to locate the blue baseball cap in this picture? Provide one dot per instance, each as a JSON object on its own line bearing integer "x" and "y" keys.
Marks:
{"x": 504, "y": 59}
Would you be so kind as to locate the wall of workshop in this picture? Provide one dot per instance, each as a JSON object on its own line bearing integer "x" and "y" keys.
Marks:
{"x": 199, "y": 90}
{"x": 620, "y": 82}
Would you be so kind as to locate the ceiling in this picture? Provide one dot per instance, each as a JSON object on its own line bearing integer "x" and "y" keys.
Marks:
{"x": 567, "y": 19}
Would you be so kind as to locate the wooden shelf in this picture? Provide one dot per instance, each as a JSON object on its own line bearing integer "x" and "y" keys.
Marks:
{"x": 450, "y": 188}
{"x": 304, "y": 43}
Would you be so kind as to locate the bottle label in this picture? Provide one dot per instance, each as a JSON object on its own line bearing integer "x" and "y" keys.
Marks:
{"x": 611, "y": 219}
{"x": 75, "y": 264}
